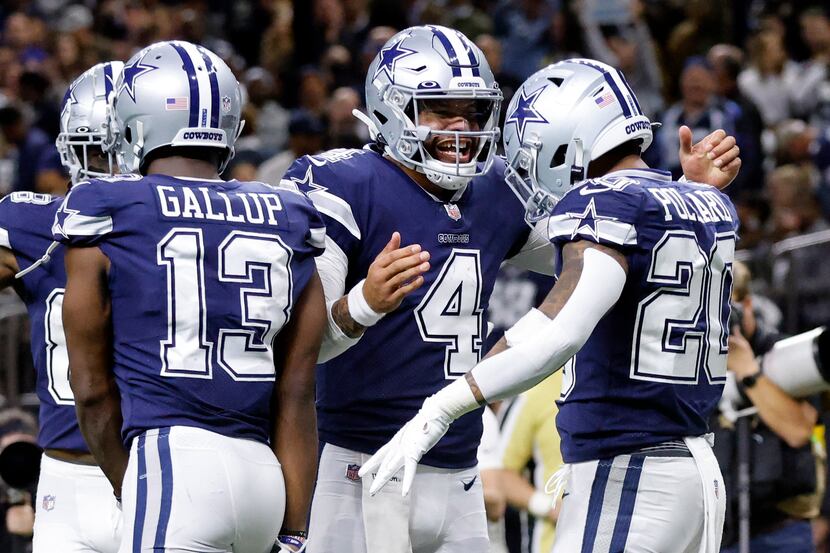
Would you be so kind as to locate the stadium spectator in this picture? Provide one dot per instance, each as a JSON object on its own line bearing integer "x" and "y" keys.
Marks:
{"x": 16, "y": 508}
{"x": 631, "y": 49}
{"x": 305, "y": 137}
{"x": 527, "y": 30}
{"x": 38, "y": 163}
{"x": 699, "y": 108}
{"x": 813, "y": 94}
{"x": 771, "y": 78}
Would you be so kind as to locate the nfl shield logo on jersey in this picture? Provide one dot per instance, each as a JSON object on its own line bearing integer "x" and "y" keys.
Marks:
{"x": 351, "y": 472}
{"x": 453, "y": 211}
{"x": 48, "y": 502}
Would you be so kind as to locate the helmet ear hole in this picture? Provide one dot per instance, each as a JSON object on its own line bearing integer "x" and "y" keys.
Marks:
{"x": 128, "y": 135}
{"x": 558, "y": 156}
{"x": 382, "y": 119}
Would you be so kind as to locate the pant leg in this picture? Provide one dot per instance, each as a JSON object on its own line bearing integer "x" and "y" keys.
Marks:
{"x": 336, "y": 524}
{"x": 188, "y": 489}
{"x": 76, "y": 510}
{"x": 447, "y": 513}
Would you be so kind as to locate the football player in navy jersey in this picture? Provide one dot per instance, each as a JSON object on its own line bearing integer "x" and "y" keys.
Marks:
{"x": 639, "y": 313}
{"x": 193, "y": 316}
{"x": 430, "y": 180}
{"x": 76, "y": 511}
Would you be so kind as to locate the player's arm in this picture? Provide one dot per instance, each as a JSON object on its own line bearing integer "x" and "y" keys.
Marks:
{"x": 791, "y": 419}
{"x": 294, "y": 431}
{"x": 87, "y": 321}
{"x": 8, "y": 267}
{"x": 520, "y": 494}
{"x": 591, "y": 282}
{"x": 395, "y": 273}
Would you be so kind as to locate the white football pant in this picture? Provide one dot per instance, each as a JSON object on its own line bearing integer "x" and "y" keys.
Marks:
{"x": 76, "y": 510}
{"x": 444, "y": 512}
{"x": 644, "y": 504}
{"x": 192, "y": 490}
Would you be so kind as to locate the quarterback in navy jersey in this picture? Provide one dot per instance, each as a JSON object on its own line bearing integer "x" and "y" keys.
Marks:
{"x": 431, "y": 180}
{"x": 71, "y": 485}
{"x": 193, "y": 316}
{"x": 639, "y": 314}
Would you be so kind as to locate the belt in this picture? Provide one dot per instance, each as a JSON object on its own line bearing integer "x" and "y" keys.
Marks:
{"x": 670, "y": 448}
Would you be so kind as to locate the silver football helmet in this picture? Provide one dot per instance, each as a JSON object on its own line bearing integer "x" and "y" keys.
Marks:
{"x": 173, "y": 94}
{"x": 439, "y": 70}
{"x": 83, "y": 122}
{"x": 563, "y": 117}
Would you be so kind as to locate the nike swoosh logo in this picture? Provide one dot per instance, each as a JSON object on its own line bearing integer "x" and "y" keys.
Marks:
{"x": 566, "y": 494}
{"x": 468, "y": 485}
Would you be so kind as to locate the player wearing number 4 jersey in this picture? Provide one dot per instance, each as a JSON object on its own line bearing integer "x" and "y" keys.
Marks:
{"x": 193, "y": 317}
{"x": 432, "y": 176}
{"x": 76, "y": 511}
{"x": 641, "y": 304}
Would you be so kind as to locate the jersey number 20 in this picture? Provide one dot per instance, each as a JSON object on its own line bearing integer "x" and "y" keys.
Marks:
{"x": 681, "y": 330}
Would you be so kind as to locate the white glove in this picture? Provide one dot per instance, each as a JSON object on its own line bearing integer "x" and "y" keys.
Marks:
{"x": 407, "y": 447}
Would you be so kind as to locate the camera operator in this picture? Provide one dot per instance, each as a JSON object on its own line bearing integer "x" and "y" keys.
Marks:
{"x": 784, "y": 487}
{"x": 18, "y": 456}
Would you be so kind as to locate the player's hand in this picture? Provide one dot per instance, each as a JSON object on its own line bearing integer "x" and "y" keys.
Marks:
{"x": 741, "y": 358}
{"x": 714, "y": 160}
{"x": 393, "y": 274}
{"x": 406, "y": 448}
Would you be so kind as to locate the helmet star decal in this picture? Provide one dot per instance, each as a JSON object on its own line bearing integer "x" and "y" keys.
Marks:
{"x": 390, "y": 56}
{"x": 132, "y": 72}
{"x": 525, "y": 113}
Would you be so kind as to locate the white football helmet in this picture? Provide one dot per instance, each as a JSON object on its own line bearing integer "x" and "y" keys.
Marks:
{"x": 563, "y": 117}
{"x": 83, "y": 121}
{"x": 173, "y": 94}
{"x": 417, "y": 69}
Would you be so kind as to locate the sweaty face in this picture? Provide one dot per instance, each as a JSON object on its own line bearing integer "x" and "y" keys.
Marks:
{"x": 453, "y": 115}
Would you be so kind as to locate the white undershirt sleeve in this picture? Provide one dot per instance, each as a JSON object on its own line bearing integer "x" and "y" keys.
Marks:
{"x": 554, "y": 342}
{"x": 538, "y": 254}
{"x": 333, "y": 266}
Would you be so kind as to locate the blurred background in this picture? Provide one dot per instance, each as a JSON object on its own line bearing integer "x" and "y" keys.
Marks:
{"x": 758, "y": 69}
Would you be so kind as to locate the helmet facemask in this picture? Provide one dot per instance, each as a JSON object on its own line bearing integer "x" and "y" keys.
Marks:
{"x": 79, "y": 150}
{"x": 471, "y": 150}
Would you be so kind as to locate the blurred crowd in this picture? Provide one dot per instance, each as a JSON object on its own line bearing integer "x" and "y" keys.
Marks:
{"x": 758, "y": 69}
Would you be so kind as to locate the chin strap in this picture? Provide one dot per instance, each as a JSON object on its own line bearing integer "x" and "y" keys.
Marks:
{"x": 363, "y": 118}
{"x": 45, "y": 259}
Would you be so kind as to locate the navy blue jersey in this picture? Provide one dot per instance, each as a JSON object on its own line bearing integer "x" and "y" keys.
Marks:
{"x": 26, "y": 229}
{"x": 654, "y": 367}
{"x": 203, "y": 275}
{"x": 367, "y": 393}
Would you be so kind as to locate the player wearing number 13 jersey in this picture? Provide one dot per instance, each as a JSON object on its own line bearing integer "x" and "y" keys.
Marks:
{"x": 193, "y": 316}
{"x": 639, "y": 313}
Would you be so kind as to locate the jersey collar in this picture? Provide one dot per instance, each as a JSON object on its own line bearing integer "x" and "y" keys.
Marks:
{"x": 652, "y": 174}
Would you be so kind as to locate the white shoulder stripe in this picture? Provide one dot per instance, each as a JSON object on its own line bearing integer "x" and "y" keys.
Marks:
{"x": 4, "y": 238}
{"x": 317, "y": 237}
{"x": 618, "y": 232}
{"x": 336, "y": 208}
{"x": 84, "y": 225}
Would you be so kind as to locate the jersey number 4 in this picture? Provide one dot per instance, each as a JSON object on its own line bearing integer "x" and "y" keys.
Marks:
{"x": 682, "y": 330}
{"x": 247, "y": 258}
{"x": 451, "y": 313}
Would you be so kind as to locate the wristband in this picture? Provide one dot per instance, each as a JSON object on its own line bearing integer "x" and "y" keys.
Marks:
{"x": 526, "y": 326}
{"x": 540, "y": 504}
{"x": 295, "y": 540}
{"x": 359, "y": 308}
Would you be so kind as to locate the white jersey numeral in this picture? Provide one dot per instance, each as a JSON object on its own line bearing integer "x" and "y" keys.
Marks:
{"x": 245, "y": 352}
{"x": 681, "y": 328}
{"x": 57, "y": 357}
{"x": 451, "y": 312}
